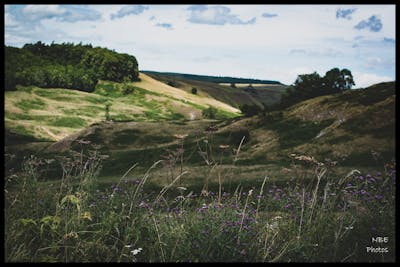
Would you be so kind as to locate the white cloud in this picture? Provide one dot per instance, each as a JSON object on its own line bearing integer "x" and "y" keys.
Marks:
{"x": 318, "y": 41}
{"x": 9, "y": 20}
{"x": 129, "y": 10}
{"x": 37, "y": 12}
{"x": 215, "y": 15}
{"x": 367, "y": 79}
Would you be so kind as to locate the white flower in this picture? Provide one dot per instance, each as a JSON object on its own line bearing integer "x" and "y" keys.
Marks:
{"x": 273, "y": 226}
{"x": 250, "y": 192}
{"x": 128, "y": 246}
{"x": 136, "y": 251}
{"x": 181, "y": 188}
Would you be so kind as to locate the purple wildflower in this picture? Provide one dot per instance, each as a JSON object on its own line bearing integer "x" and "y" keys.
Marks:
{"x": 378, "y": 197}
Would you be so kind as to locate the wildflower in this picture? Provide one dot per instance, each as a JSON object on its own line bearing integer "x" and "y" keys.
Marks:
{"x": 348, "y": 227}
{"x": 136, "y": 251}
{"x": 179, "y": 198}
{"x": 128, "y": 246}
{"x": 250, "y": 192}
{"x": 182, "y": 188}
{"x": 87, "y": 215}
{"x": 225, "y": 194}
{"x": 224, "y": 146}
{"x": 378, "y": 197}
{"x": 272, "y": 226}
{"x": 70, "y": 235}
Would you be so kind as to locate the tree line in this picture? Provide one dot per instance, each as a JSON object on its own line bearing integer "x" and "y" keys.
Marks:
{"x": 66, "y": 65}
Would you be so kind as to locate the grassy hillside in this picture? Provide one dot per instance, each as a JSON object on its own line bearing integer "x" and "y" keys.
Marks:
{"x": 336, "y": 128}
{"x": 267, "y": 93}
{"x": 305, "y": 184}
{"x": 212, "y": 79}
{"x": 52, "y": 114}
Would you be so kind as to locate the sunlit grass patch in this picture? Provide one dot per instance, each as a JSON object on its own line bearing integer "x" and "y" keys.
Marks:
{"x": 71, "y": 122}
{"x": 28, "y": 104}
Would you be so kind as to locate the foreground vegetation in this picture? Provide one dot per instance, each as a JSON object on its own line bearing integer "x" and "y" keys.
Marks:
{"x": 316, "y": 216}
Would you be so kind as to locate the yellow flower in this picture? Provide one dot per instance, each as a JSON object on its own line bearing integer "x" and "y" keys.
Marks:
{"x": 87, "y": 215}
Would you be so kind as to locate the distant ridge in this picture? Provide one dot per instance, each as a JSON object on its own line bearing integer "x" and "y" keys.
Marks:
{"x": 213, "y": 79}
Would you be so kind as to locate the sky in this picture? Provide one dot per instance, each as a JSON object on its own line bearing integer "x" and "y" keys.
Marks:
{"x": 271, "y": 42}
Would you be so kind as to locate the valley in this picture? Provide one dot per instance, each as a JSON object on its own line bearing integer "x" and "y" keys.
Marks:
{"x": 175, "y": 164}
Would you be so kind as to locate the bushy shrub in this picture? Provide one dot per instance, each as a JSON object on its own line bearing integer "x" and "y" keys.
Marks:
{"x": 210, "y": 113}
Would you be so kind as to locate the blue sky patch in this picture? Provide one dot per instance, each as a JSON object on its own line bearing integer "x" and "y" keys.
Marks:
{"x": 374, "y": 24}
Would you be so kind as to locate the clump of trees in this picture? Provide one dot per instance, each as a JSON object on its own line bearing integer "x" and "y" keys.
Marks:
{"x": 312, "y": 85}
{"x": 66, "y": 65}
{"x": 194, "y": 90}
{"x": 210, "y": 113}
{"x": 305, "y": 87}
{"x": 250, "y": 110}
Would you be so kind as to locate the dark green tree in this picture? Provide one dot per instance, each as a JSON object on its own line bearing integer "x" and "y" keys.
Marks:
{"x": 210, "y": 113}
{"x": 250, "y": 110}
{"x": 66, "y": 66}
{"x": 312, "y": 85}
{"x": 337, "y": 80}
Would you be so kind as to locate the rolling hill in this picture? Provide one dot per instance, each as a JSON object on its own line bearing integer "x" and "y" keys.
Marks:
{"x": 261, "y": 92}
{"x": 52, "y": 114}
{"x": 355, "y": 128}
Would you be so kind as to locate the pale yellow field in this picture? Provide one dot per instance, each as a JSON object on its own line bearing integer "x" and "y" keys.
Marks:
{"x": 153, "y": 85}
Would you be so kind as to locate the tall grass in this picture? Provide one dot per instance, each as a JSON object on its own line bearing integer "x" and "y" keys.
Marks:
{"x": 318, "y": 217}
